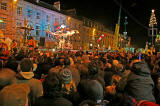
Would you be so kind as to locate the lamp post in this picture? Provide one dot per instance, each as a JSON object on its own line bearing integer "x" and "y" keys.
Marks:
{"x": 125, "y": 27}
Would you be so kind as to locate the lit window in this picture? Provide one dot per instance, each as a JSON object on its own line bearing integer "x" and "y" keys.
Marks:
{"x": 3, "y": 25}
{"x": 29, "y": 13}
{"x": 37, "y": 30}
{"x": 47, "y": 18}
{"x": 19, "y": 10}
{"x": 38, "y": 15}
{"x": 19, "y": 24}
{"x": 3, "y": 6}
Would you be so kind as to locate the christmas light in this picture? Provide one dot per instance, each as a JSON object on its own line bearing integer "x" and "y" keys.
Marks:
{"x": 153, "y": 20}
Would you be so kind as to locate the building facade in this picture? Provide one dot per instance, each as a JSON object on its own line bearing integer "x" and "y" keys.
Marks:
{"x": 18, "y": 16}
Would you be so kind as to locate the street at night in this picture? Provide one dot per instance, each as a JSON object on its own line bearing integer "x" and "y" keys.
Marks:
{"x": 79, "y": 53}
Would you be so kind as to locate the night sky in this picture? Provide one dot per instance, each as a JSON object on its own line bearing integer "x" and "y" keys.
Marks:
{"x": 106, "y": 12}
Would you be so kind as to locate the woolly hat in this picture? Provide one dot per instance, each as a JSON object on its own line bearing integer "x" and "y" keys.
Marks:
{"x": 65, "y": 75}
{"x": 14, "y": 95}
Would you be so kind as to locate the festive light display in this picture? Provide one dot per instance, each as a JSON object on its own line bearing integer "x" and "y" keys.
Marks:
{"x": 153, "y": 20}
{"x": 61, "y": 33}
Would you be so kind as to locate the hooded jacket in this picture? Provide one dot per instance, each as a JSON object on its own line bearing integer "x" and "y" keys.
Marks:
{"x": 139, "y": 83}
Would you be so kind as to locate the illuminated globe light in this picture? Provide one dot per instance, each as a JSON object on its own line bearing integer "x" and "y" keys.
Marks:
{"x": 54, "y": 50}
{"x": 91, "y": 44}
{"x": 15, "y": 0}
{"x": 1, "y": 21}
{"x": 153, "y": 10}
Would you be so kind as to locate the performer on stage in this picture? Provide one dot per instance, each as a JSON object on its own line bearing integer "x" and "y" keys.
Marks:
{"x": 14, "y": 46}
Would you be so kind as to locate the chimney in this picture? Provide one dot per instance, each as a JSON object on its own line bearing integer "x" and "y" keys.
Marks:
{"x": 71, "y": 12}
{"x": 57, "y": 5}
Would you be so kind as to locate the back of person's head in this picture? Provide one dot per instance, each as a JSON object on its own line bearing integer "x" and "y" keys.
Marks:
{"x": 7, "y": 77}
{"x": 25, "y": 68}
{"x": 115, "y": 79}
{"x": 14, "y": 95}
{"x": 52, "y": 85}
{"x": 119, "y": 67}
{"x": 26, "y": 65}
{"x": 85, "y": 59}
{"x": 83, "y": 70}
{"x": 67, "y": 61}
{"x": 115, "y": 62}
{"x": 65, "y": 75}
{"x": 20, "y": 56}
{"x": 90, "y": 89}
{"x": 93, "y": 68}
{"x": 12, "y": 64}
{"x": 78, "y": 60}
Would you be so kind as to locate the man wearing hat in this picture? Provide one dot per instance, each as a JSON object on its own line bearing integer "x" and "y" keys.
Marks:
{"x": 25, "y": 75}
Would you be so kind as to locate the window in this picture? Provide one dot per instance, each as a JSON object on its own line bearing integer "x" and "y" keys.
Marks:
{"x": 64, "y": 22}
{"x": 47, "y": 18}
{"x": 19, "y": 10}
{"x": 3, "y": 6}
{"x": 19, "y": 24}
{"x": 3, "y": 25}
{"x": 56, "y": 20}
{"x": 37, "y": 30}
{"x": 38, "y": 15}
{"x": 29, "y": 13}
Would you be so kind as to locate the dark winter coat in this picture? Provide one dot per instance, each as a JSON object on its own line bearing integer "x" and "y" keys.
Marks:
{"x": 42, "y": 101}
{"x": 138, "y": 83}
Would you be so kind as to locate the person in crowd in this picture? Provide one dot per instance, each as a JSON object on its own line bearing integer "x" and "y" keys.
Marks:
{"x": 93, "y": 70}
{"x": 14, "y": 46}
{"x": 52, "y": 88}
{"x": 69, "y": 63}
{"x": 12, "y": 64}
{"x": 26, "y": 75}
{"x": 137, "y": 83}
{"x": 108, "y": 73}
{"x": 44, "y": 65}
{"x": 68, "y": 86}
{"x": 91, "y": 93}
{"x": 7, "y": 77}
{"x": 156, "y": 90}
{"x": 14, "y": 95}
{"x": 31, "y": 44}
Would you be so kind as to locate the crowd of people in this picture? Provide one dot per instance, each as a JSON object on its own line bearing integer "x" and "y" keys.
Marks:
{"x": 66, "y": 78}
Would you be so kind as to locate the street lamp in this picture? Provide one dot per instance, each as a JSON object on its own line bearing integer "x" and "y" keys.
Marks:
{"x": 14, "y": 0}
{"x": 125, "y": 28}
